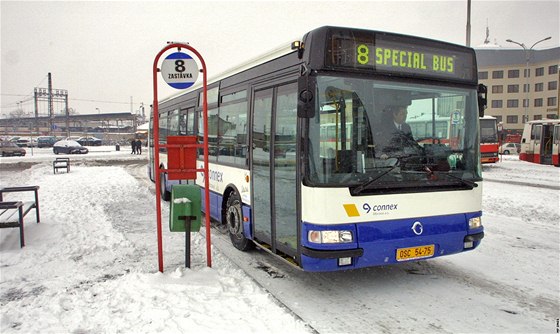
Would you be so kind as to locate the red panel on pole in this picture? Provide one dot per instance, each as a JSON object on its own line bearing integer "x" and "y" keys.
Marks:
{"x": 181, "y": 157}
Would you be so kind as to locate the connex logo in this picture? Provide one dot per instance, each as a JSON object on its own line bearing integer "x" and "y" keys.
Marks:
{"x": 376, "y": 209}
{"x": 212, "y": 175}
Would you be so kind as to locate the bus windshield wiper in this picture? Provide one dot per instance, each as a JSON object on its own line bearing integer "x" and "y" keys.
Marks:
{"x": 361, "y": 187}
{"x": 471, "y": 184}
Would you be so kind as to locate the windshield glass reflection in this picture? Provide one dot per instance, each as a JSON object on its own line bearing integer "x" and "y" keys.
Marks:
{"x": 371, "y": 134}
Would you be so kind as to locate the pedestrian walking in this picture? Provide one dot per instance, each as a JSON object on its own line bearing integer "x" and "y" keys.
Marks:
{"x": 138, "y": 146}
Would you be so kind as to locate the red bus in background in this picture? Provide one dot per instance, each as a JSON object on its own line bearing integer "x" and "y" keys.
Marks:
{"x": 541, "y": 142}
{"x": 556, "y": 146}
{"x": 512, "y": 138}
{"x": 489, "y": 143}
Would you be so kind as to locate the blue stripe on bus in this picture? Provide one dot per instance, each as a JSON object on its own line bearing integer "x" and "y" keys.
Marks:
{"x": 215, "y": 205}
{"x": 247, "y": 230}
{"x": 380, "y": 240}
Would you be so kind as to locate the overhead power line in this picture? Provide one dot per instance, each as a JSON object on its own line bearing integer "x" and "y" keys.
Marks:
{"x": 100, "y": 101}
{"x": 29, "y": 98}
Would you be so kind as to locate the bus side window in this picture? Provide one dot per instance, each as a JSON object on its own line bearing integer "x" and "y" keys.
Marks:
{"x": 537, "y": 134}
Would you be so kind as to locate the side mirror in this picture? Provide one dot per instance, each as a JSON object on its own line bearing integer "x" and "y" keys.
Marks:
{"x": 306, "y": 97}
{"x": 482, "y": 99}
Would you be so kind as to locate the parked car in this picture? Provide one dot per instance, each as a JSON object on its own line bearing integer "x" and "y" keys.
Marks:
{"x": 69, "y": 147}
{"x": 22, "y": 142}
{"x": 89, "y": 141}
{"x": 46, "y": 141}
{"x": 8, "y": 148}
{"x": 510, "y": 148}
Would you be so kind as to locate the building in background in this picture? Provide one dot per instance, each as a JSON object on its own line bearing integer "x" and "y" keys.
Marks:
{"x": 109, "y": 127}
{"x": 511, "y": 93}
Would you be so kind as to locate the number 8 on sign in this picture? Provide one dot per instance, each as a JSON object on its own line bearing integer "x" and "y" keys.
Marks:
{"x": 179, "y": 70}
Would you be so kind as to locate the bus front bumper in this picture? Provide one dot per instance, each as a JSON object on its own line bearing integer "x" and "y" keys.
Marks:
{"x": 385, "y": 243}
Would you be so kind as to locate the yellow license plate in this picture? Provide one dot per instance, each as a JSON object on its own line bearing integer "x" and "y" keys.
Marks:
{"x": 413, "y": 253}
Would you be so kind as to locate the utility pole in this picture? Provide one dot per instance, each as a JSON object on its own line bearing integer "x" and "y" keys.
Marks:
{"x": 51, "y": 111}
{"x": 36, "y": 111}
{"x": 67, "y": 116}
{"x": 469, "y": 23}
{"x": 49, "y": 95}
{"x": 527, "y": 59}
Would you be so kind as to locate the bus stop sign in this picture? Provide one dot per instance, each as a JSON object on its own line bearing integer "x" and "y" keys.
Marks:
{"x": 179, "y": 70}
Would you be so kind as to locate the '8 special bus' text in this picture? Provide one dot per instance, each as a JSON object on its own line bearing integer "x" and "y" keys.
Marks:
{"x": 405, "y": 59}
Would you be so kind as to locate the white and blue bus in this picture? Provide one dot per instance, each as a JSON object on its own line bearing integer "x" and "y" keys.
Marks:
{"x": 294, "y": 164}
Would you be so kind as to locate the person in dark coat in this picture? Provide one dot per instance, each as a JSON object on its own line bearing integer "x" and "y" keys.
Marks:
{"x": 394, "y": 133}
{"x": 133, "y": 145}
{"x": 138, "y": 146}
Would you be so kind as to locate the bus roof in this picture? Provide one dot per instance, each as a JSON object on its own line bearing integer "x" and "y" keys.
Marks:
{"x": 544, "y": 121}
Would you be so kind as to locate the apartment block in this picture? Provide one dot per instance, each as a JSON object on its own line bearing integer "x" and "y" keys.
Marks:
{"x": 519, "y": 88}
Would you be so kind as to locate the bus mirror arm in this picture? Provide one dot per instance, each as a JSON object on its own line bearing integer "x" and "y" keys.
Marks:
{"x": 482, "y": 99}
{"x": 306, "y": 98}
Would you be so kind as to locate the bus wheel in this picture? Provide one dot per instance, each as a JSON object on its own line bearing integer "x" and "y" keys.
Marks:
{"x": 234, "y": 221}
{"x": 165, "y": 195}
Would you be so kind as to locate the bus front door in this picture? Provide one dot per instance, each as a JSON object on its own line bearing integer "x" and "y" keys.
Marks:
{"x": 556, "y": 146}
{"x": 274, "y": 209}
{"x": 536, "y": 143}
{"x": 546, "y": 144}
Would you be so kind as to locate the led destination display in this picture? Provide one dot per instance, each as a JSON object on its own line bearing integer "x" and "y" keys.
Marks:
{"x": 389, "y": 53}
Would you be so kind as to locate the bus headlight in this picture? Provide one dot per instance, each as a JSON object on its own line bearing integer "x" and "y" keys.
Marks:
{"x": 330, "y": 237}
{"x": 475, "y": 222}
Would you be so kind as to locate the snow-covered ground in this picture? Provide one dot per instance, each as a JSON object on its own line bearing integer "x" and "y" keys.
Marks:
{"x": 90, "y": 266}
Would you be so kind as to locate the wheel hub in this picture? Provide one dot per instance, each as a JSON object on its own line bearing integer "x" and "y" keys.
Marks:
{"x": 234, "y": 221}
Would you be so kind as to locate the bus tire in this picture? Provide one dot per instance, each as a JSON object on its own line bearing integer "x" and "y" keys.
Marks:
{"x": 234, "y": 222}
{"x": 165, "y": 195}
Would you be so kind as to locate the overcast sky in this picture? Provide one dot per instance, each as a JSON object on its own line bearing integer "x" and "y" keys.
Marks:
{"x": 102, "y": 52}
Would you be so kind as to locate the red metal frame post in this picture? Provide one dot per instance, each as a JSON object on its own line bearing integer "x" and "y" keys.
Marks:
{"x": 155, "y": 71}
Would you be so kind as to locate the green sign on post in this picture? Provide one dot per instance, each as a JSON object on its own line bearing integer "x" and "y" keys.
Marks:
{"x": 185, "y": 206}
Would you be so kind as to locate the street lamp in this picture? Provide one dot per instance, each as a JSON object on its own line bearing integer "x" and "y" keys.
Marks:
{"x": 527, "y": 57}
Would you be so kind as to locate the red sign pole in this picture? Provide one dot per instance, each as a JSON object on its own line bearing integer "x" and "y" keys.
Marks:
{"x": 157, "y": 147}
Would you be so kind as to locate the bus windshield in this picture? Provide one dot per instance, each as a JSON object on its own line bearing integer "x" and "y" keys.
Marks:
{"x": 488, "y": 130}
{"x": 374, "y": 134}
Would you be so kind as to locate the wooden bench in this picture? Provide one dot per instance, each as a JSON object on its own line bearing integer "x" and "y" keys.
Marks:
{"x": 61, "y": 163}
{"x": 12, "y": 213}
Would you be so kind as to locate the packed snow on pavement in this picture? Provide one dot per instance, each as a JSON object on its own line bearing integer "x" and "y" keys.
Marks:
{"x": 90, "y": 265}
